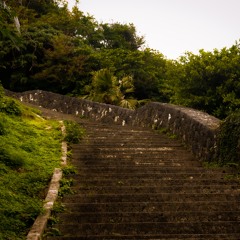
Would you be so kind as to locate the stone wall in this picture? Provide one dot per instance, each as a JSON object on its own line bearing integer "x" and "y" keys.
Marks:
{"x": 197, "y": 129}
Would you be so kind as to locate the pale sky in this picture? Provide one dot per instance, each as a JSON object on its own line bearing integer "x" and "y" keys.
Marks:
{"x": 173, "y": 26}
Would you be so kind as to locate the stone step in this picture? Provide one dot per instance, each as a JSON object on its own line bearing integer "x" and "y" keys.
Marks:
{"x": 131, "y": 149}
{"x": 128, "y": 158}
{"x": 150, "y": 197}
{"x": 228, "y": 236}
{"x": 157, "y": 175}
{"x": 84, "y": 189}
{"x": 122, "y": 132}
{"x": 148, "y": 169}
{"x": 158, "y": 182}
{"x": 129, "y": 217}
{"x": 136, "y": 163}
{"x": 140, "y": 228}
{"x": 138, "y": 184}
{"x": 153, "y": 207}
{"x": 111, "y": 144}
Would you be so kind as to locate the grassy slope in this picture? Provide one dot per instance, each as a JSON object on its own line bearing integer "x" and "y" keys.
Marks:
{"x": 30, "y": 148}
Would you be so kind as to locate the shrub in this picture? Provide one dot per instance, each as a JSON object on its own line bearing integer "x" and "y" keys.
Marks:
{"x": 74, "y": 132}
{"x": 229, "y": 140}
{"x": 10, "y": 107}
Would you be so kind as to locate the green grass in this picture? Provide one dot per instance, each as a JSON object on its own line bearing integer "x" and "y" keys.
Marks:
{"x": 30, "y": 149}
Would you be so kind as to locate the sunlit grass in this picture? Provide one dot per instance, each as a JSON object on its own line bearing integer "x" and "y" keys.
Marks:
{"x": 30, "y": 149}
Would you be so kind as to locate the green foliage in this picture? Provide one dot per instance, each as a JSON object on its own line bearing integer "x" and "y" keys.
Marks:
{"x": 74, "y": 132}
{"x": 106, "y": 88}
{"x": 229, "y": 141}
{"x": 208, "y": 81}
{"x": 65, "y": 187}
{"x": 2, "y": 128}
{"x": 167, "y": 132}
{"x": 122, "y": 36}
{"x": 9, "y": 32}
{"x": 11, "y": 157}
{"x": 68, "y": 170}
{"x": 147, "y": 68}
{"x": 58, "y": 50}
{"x": 10, "y": 107}
{"x": 26, "y": 167}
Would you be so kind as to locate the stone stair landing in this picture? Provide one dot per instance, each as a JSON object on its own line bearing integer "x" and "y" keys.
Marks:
{"x": 134, "y": 183}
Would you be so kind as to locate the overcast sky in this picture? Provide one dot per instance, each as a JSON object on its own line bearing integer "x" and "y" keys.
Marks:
{"x": 173, "y": 26}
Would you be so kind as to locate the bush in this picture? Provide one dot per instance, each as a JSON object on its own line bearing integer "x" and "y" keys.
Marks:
{"x": 229, "y": 140}
{"x": 74, "y": 132}
{"x": 10, "y": 107}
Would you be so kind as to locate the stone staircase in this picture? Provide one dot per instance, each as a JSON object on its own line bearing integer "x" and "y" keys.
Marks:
{"x": 134, "y": 183}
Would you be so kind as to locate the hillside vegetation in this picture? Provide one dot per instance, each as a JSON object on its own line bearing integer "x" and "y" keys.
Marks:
{"x": 30, "y": 148}
{"x": 45, "y": 46}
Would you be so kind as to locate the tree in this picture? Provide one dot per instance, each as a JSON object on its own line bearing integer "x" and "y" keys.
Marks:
{"x": 64, "y": 65}
{"x": 106, "y": 88}
{"x": 147, "y": 68}
{"x": 123, "y": 36}
{"x": 209, "y": 81}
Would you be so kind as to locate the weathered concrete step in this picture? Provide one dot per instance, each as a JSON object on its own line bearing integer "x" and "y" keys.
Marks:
{"x": 161, "y": 197}
{"x": 159, "y": 176}
{"x": 124, "y": 136}
{"x": 110, "y": 144}
{"x": 138, "y": 168}
{"x": 105, "y": 127}
{"x": 155, "y": 189}
{"x": 128, "y": 138}
{"x": 136, "y": 163}
{"x": 228, "y": 236}
{"x": 197, "y": 206}
{"x": 149, "y": 228}
{"x": 121, "y": 155}
{"x": 133, "y": 150}
{"x": 107, "y": 158}
{"x": 158, "y": 182}
{"x": 133, "y": 157}
{"x": 80, "y": 218}
{"x": 161, "y": 155}
{"x": 122, "y": 132}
